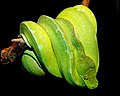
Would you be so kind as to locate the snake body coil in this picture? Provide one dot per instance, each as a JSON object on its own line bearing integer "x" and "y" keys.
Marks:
{"x": 66, "y": 46}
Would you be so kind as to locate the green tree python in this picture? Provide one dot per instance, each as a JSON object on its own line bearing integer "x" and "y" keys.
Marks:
{"x": 66, "y": 46}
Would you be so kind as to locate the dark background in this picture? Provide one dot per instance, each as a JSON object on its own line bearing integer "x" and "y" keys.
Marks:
{"x": 15, "y": 81}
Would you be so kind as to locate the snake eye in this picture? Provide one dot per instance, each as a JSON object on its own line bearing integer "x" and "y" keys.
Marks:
{"x": 85, "y": 78}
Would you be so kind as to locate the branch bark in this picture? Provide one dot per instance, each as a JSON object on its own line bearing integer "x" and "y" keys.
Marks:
{"x": 85, "y": 2}
{"x": 13, "y": 52}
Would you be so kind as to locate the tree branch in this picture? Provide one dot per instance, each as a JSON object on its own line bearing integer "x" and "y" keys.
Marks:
{"x": 85, "y": 2}
{"x": 13, "y": 52}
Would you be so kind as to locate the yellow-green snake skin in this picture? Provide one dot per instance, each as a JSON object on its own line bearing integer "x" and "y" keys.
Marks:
{"x": 66, "y": 46}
